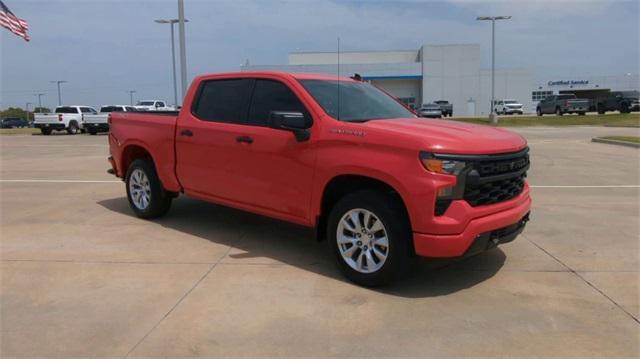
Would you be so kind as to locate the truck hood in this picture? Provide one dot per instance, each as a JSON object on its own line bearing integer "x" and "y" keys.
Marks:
{"x": 442, "y": 136}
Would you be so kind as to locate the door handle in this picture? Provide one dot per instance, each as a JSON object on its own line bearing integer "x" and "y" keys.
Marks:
{"x": 245, "y": 139}
{"x": 187, "y": 133}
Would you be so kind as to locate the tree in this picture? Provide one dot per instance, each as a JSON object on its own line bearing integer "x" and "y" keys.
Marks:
{"x": 42, "y": 110}
{"x": 13, "y": 112}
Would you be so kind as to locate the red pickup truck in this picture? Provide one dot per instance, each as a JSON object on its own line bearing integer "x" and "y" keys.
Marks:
{"x": 379, "y": 183}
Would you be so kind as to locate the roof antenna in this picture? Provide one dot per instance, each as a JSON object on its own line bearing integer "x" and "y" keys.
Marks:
{"x": 338, "y": 82}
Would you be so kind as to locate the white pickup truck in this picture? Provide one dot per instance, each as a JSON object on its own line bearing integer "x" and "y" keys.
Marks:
{"x": 100, "y": 122}
{"x": 153, "y": 105}
{"x": 65, "y": 118}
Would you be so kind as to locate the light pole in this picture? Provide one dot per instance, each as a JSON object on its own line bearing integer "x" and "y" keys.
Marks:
{"x": 173, "y": 55}
{"x": 183, "y": 48}
{"x": 27, "y": 110}
{"x": 39, "y": 100}
{"x": 59, "y": 95}
{"x": 131, "y": 92}
{"x": 492, "y": 115}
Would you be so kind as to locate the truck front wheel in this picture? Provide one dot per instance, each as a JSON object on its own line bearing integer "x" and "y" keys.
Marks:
{"x": 147, "y": 198}
{"x": 369, "y": 235}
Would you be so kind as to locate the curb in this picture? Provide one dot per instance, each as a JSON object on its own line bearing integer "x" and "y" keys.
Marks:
{"x": 615, "y": 142}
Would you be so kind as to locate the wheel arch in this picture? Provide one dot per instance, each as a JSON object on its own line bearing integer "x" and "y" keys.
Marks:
{"x": 131, "y": 153}
{"x": 340, "y": 185}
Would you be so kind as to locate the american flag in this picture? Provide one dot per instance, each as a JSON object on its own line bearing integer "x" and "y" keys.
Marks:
{"x": 13, "y": 23}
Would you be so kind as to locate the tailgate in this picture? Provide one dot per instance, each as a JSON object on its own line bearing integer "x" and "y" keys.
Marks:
{"x": 52, "y": 118}
{"x": 95, "y": 118}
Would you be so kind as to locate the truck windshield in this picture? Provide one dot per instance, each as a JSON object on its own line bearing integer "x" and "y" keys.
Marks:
{"x": 354, "y": 101}
{"x": 145, "y": 103}
{"x": 632, "y": 94}
{"x": 66, "y": 110}
{"x": 510, "y": 101}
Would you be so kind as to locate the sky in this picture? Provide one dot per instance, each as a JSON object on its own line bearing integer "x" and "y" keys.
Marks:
{"x": 104, "y": 48}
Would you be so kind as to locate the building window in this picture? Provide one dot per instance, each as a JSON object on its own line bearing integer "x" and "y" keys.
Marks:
{"x": 540, "y": 95}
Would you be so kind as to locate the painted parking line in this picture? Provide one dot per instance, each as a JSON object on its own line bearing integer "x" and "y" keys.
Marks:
{"x": 588, "y": 186}
{"x": 117, "y": 181}
{"x": 54, "y": 181}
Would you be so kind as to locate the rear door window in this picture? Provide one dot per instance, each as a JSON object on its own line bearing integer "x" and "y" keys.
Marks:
{"x": 268, "y": 96}
{"x": 223, "y": 100}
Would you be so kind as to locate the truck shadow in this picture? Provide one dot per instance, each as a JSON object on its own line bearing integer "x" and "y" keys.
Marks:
{"x": 262, "y": 240}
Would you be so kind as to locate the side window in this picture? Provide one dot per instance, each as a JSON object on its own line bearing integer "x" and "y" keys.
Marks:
{"x": 130, "y": 109}
{"x": 160, "y": 104}
{"x": 223, "y": 100}
{"x": 270, "y": 96}
{"x": 86, "y": 110}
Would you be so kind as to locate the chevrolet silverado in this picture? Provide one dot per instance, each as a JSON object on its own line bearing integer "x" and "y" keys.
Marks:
{"x": 341, "y": 156}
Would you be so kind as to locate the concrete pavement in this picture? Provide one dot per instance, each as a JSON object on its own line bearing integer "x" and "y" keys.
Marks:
{"x": 80, "y": 276}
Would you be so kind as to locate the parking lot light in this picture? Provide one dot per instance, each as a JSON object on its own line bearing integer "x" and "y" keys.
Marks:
{"x": 492, "y": 114}
{"x": 173, "y": 55}
{"x": 58, "y": 82}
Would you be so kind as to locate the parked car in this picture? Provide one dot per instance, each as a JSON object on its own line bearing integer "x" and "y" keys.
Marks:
{"x": 379, "y": 183}
{"x": 561, "y": 104}
{"x": 14, "y": 122}
{"x": 432, "y": 110}
{"x": 623, "y": 101}
{"x": 508, "y": 107}
{"x": 65, "y": 118}
{"x": 446, "y": 107}
{"x": 153, "y": 105}
{"x": 100, "y": 122}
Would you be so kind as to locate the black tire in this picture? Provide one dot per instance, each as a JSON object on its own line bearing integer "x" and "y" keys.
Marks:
{"x": 390, "y": 211}
{"x": 538, "y": 111}
{"x": 624, "y": 108}
{"x": 159, "y": 199}
{"x": 93, "y": 132}
{"x": 45, "y": 131}
{"x": 601, "y": 109}
{"x": 559, "y": 111}
{"x": 582, "y": 113}
{"x": 73, "y": 128}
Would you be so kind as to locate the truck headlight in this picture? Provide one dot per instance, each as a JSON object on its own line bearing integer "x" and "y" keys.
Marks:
{"x": 435, "y": 165}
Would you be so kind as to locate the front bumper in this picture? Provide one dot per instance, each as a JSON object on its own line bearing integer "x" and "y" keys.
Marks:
{"x": 53, "y": 126}
{"x": 457, "y": 245}
{"x": 513, "y": 110}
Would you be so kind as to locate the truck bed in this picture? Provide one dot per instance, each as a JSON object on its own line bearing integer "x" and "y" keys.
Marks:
{"x": 152, "y": 132}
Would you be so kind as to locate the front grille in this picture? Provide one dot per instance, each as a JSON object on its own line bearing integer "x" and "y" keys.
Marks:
{"x": 494, "y": 179}
{"x": 494, "y": 191}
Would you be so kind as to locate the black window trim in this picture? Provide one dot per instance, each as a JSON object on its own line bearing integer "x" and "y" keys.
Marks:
{"x": 306, "y": 111}
{"x": 198, "y": 97}
{"x": 247, "y": 105}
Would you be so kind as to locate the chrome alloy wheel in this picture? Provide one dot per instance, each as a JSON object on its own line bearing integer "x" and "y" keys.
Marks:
{"x": 362, "y": 240}
{"x": 140, "y": 189}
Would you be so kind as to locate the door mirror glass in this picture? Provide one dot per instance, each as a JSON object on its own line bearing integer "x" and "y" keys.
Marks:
{"x": 296, "y": 122}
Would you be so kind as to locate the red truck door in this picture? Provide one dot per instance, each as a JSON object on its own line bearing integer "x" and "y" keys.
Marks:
{"x": 226, "y": 152}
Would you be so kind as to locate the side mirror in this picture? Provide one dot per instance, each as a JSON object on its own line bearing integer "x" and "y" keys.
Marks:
{"x": 295, "y": 122}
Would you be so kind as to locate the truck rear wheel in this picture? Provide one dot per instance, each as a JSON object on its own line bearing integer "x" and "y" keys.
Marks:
{"x": 147, "y": 198}
{"x": 369, "y": 235}
{"x": 45, "y": 131}
{"x": 559, "y": 112}
{"x": 538, "y": 111}
{"x": 73, "y": 128}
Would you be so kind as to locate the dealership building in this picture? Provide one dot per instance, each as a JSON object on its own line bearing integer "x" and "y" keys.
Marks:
{"x": 445, "y": 72}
